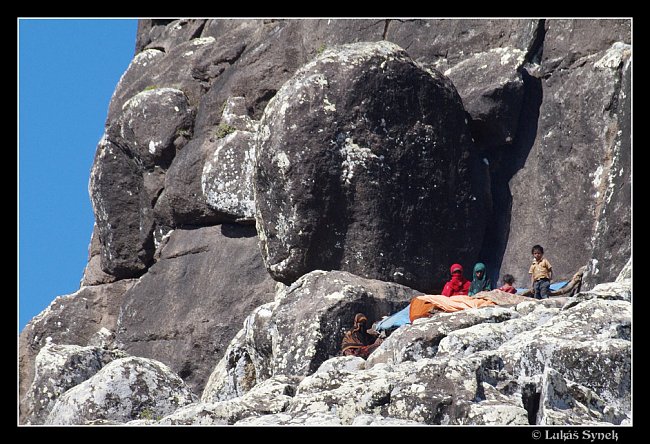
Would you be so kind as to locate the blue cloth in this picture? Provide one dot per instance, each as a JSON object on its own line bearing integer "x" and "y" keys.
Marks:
{"x": 395, "y": 320}
{"x": 555, "y": 286}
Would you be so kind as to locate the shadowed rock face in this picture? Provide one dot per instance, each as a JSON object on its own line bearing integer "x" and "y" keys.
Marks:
{"x": 575, "y": 182}
{"x": 190, "y": 304}
{"x": 128, "y": 173}
{"x": 364, "y": 164}
{"x": 510, "y": 75}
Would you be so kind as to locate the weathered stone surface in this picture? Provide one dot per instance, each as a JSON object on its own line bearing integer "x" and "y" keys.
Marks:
{"x": 152, "y": 126}
{"x": 626, "y": 272}
{"x": 190, "y": 66}
{"x": 122, "y": 212}
{"x": 434, "y": 392}
{"x": 189, "y": 305}
{"x": 492, "y": 90}
{"x": 588, "y": 344}
{"x": 447, "y": 42}
{"x": 72, "y": 319}
{"x": 165, "y": 38}
{"x": 227, "y": 178}
{"x": 569, "y": 40}
{"x": 563, "y": 402}
{"x": 329, "y": 151}
{"x": 421, "y": 339}
{"x": 305, "y": 419}
{"x": 128, "y": 176}
{"x": 618, "y": 291}
{"x": 582, "y": 145}
{"x": 301, "y": 329}
{"x": 489, "y": 336}
{"x": 348, "y": 394}
{"x": 371, "y": 420}
{"x": 93, "y": 273}
{"x": 247, "y": 359}
{"x": 492, "y": 413}
{"x": 181, "y": 202}
{"x": 269, "y": 397}
{"x": 149, "y": 30}
{"x": 125, "y": 389}
{"x": 272, "y": 56}
{"x": 612, "y": 233}
{"x": 58, "y": 368}
{"x": 253, "y": 58}
{"x": 486, "y": 373}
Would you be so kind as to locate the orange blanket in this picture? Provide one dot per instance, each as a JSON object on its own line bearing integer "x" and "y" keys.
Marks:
{"x": 422, "y": 305}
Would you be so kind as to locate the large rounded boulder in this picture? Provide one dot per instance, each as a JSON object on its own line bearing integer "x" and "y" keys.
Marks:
{"x": 364, "y": 163}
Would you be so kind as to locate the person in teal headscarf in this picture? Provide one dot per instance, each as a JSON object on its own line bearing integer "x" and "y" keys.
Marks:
{"x": 480, "y": 282}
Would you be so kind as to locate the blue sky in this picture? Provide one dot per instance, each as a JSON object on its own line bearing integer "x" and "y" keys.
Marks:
{"x": 68, "y": 70}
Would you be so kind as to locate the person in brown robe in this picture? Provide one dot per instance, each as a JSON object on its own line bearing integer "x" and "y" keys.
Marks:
{"x": 358, "y": 342}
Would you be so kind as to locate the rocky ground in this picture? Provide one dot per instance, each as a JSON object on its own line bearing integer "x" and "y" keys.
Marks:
{"x": 557, "y": 361}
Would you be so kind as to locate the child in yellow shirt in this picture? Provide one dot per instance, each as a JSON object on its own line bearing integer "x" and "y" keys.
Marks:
{"x": 541, "y": 273}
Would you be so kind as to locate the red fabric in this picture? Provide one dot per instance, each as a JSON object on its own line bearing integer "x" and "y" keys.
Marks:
{"x": 512, "y": 290}
{"x": 455, "y": 267}
{"x": 457, "y": 286}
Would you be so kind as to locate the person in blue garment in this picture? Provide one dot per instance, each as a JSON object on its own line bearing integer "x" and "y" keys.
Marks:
{"x": 480, "y": 282}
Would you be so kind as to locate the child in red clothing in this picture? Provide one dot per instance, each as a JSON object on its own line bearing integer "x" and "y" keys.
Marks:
{"x": 508, "y": 280}
{"x": 457, "y": 285}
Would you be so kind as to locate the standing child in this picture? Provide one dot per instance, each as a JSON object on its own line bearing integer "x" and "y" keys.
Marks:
{"x": 507, "y": 286}
{"x": 541, "y": 274}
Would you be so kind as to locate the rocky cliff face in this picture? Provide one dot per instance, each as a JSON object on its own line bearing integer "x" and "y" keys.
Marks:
{"x": 370, "y": 155}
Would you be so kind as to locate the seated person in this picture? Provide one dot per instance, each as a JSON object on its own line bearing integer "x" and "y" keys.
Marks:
{"x": 480, "y": 282}
{"x": 508, "y": 280}
{"x": 358, "y": 341}
{"x": 457, "y": 285}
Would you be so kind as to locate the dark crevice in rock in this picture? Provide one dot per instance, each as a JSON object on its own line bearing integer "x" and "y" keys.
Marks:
{"x": 196, "y": 34}
{"x": 505, "y": 162}
{"x": 233, "y": 59}
{"x": 162, "y": 22}
{"x": 535, "y": 51}
{"x": 384, "y": 400}
{"x": 480, "y": 392}
{"x": 386, "y": 23}
{"x": 186, "y": 371}
{"x": 530, "y": 399}
{"x": 375, "y": 23}
{"x": 612, "y": 106}
{"x": 158, "y": 48}
{"x": 238, "y": 231}
{"x": 255, "y": 111}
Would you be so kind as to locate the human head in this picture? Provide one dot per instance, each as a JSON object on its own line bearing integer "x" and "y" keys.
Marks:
{"x": 508, "y": 279}
{"x": 538, "y": 248}
{"x": 479, "y": 269}
{"x": 456, "y": 268}
{"x": 359, "y": 319}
